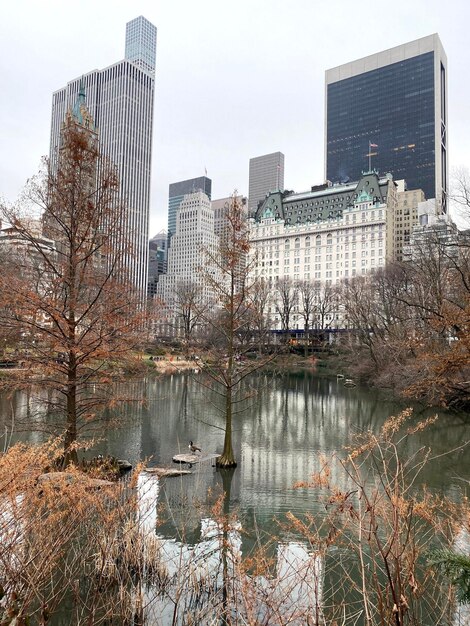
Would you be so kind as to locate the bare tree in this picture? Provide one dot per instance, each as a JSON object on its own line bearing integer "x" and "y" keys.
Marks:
{"x": 460, "y": 193}
{"x": 410, "y": 321}
{"x": 188, "y": 305}
{"x": 307, "y": 307}
{"x": 260, "y": 303}
{"x": 285, "y": 300}
{"x": 72, "y": 303}
{"x": 325, "y": 305}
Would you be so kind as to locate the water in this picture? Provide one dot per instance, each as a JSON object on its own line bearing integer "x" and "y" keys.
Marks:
{"x": 279, "y": 438}
{"x": 281, "y": 435}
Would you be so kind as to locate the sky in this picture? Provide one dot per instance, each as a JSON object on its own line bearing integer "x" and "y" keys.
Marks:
{"x": 234, "y": 80}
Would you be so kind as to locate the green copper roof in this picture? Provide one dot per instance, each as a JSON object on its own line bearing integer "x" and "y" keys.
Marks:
{"x": 79, "y": 102}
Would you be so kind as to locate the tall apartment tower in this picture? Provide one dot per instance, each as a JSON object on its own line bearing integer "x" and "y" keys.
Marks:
{"x": 390, "y": 110}
{"x": 176, "y": 193}
{"x": 266, "y": 175}
{"x": 120, "y": 100}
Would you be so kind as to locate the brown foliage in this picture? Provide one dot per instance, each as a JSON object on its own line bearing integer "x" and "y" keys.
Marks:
{"x": 65, "y": 290}
{"x": 410, "y": 324}
{"x": 57, "y": 541}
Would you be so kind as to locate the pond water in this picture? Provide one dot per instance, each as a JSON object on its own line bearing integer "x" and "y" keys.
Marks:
{"x": 281, "y": 434}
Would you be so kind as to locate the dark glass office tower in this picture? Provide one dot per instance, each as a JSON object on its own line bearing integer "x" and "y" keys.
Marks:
{"x": 391, "y": 107}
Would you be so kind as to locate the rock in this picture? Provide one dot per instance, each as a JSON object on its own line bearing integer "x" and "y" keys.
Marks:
{"x": 191, "y": 459}
{"x": 124, "y": 466}
{"x": 60, "y": 478}
{"x": 186, "y": 458}
{"x": 165, "y": 472}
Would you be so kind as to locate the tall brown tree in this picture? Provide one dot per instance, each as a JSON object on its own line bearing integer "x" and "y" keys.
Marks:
{"x": 228, "y": 274}
{"x": 65, "y": 290}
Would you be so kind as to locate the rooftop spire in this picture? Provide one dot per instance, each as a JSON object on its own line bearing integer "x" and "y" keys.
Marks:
{"x": 80, "y": 111}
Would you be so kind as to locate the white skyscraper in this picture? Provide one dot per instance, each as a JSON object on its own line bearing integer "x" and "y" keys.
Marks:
{"x": 187, "y": 259}
{"x": 120, "y": 99}
{"x": 194, "y": 235}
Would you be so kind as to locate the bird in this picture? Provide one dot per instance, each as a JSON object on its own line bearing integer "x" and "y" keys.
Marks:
{"x": 194, "y": 448}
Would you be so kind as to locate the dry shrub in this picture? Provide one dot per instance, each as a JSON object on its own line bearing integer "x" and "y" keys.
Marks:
{"x": 60, "y": 539}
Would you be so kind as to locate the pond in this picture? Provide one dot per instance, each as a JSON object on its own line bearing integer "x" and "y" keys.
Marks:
{"x": 281, "y": 435}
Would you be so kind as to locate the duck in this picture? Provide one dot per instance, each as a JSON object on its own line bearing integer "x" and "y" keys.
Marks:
{"x": 194, "y": 448}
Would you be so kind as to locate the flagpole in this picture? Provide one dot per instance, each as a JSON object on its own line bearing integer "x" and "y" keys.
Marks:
{"x": 369, "y": 156}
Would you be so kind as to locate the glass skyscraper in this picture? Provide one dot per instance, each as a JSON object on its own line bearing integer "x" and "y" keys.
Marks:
{"x": 120, "y": 100}
{"x": 141, "y": 43}
{"x": 390, "y": 110}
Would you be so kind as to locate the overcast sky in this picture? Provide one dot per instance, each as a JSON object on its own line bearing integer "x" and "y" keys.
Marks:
{"x": 233, "y": 80}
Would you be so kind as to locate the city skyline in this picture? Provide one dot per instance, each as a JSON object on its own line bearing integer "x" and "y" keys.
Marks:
{"x": 198, "y": 124}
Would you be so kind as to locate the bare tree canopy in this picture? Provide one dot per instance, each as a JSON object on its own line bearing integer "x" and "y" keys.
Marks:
{"x": 411, "y": 322}
{"x": 286, "y": 298}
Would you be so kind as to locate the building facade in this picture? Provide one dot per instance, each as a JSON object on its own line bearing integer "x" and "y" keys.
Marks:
{"x": 141, "y": 43}
{"x": 326, "y": 235}
{"x": 120, "y": 100}
{"x": 220, "y": 208}
{"x": 176, "y": 194}
{"x": 405, "y": 218}
{"x": 157, "y": 261}
{"x": 391, "y": 108}
{"x": 266, "y": 174}
{"x": 433, "y": 234}
{"x": 193, "y": 239}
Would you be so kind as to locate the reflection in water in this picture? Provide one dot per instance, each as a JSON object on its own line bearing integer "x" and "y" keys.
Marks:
{"x": 279, "y": 438}
{"x": 205, "y": 579}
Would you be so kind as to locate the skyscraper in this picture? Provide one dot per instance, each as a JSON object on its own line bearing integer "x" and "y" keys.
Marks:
{"x": 176, "y": 193}
{"x": 392, "y": 106}
{"x": 193, "y": 238}
{"x": 266, "y": 175}
{"x": 221, "y": 208}
{"x": 157, "y": 261}
{"x": 120, "y": 100}
{"x": 141, "y": 43}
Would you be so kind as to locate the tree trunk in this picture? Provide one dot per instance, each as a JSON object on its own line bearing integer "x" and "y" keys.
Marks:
{"x": 70, "y": 452}
{"x": 306, "y": 337}
{"x": 228, "y": 458}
